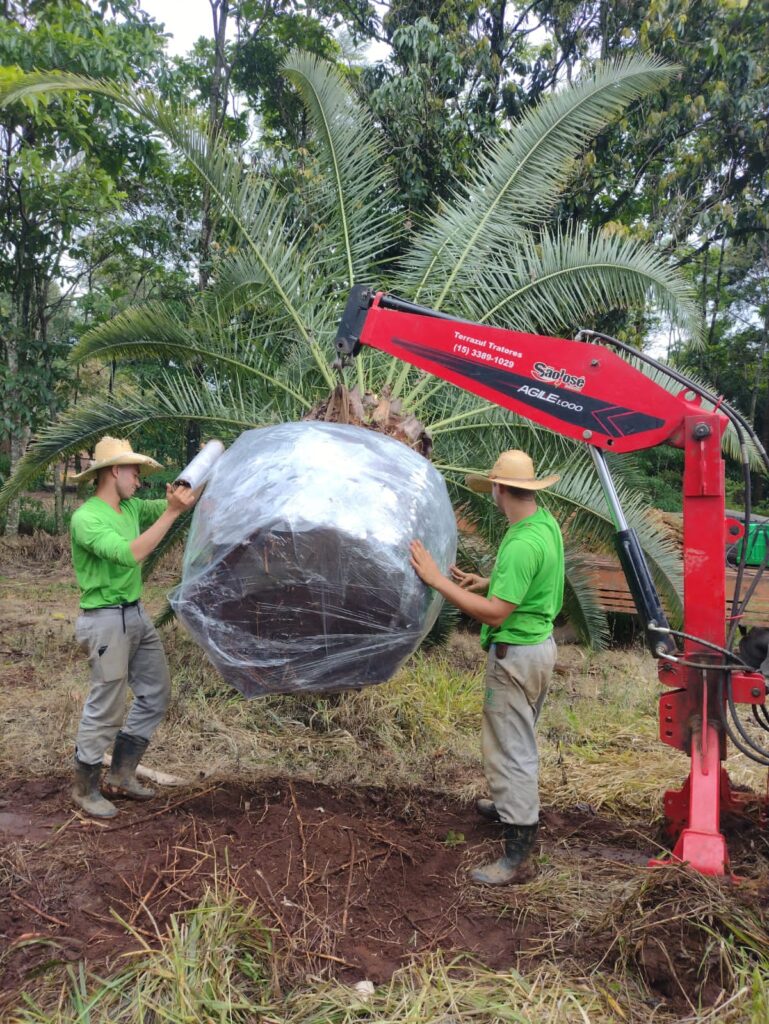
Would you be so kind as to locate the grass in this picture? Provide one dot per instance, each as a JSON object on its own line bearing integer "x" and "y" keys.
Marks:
{"x": 216, "y": 964}
{"x": 599, "y": 750}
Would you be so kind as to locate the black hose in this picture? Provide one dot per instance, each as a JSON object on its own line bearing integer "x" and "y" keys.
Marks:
{"x": 764, "y": 758}
{"x": 704, "y": 643}
{"x": 764, "y": 715}
{"x": 739, "y": 424}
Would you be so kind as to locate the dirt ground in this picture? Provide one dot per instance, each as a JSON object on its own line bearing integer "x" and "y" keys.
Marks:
{"x": 353, "y": 882}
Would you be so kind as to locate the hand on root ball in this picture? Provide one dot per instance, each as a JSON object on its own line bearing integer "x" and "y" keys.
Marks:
{"x": 424, "y": 564}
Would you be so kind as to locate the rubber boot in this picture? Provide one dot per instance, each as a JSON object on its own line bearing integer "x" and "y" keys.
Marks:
{"x": 122, "y": 781}
{"x": 487, "y": 810}
{"x": 514, "y": 866}
{"x": 86, "y": 794}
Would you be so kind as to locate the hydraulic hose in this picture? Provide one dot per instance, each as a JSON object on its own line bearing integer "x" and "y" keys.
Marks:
{"x": 741, "y": 427}
{"x": 749, "y": 748}
{"x": 752, "y": 751}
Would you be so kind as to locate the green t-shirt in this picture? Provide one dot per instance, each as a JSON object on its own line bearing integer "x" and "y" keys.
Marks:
{"x": 528, "y": 573}
{"x": 106, "y": 570}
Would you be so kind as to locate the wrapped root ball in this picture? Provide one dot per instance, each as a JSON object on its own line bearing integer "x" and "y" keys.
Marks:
{"x": 296, "y": 573}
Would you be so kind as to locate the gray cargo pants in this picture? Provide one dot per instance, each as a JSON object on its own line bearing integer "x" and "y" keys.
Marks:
{"x": 516, "y": 686}
{"x": 123, "y": 650}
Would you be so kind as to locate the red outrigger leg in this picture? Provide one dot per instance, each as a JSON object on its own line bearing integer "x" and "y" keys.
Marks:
{"x": 689, "y": 715}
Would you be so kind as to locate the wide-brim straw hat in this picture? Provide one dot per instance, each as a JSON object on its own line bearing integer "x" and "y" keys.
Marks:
{"x": 513, "y": 468}
{"x": 115, "y": 451}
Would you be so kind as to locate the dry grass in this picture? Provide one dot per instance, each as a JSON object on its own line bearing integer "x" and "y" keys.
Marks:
{"x": 599, "y": 749}
{"x": 598, "y": 732}
{"x": 216, "y": 962}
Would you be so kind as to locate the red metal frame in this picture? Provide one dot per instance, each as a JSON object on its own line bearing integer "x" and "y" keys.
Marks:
{"x": 689, "y": 718}
{"x": 589, "y": 393}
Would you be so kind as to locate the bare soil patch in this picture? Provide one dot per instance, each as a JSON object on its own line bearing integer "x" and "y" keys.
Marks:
{"x": 353, "y": 882}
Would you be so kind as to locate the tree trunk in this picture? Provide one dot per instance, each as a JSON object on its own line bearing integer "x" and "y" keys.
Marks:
{"x": 12, "y": 513}
{"x": 496, "y": 38}
{"x": 58, "y": 498}
{"x": 217, "y": 107}
{"x": 759, "y": 483}
{"x": 717, "y": 298}
{"x": 19, "y": 444}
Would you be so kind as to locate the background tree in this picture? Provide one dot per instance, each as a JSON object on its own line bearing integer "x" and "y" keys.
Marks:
{"x": 49, "y": 197}
{"x": 263, "y": 329}
{"x": 454, "y": 77}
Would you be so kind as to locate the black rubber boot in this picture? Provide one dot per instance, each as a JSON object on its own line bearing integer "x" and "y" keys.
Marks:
{"x": 514, "y": 866}
{"x": 86, "y": 794}
{"x": 487, "y": 810}
{"x": 122, "y": 781}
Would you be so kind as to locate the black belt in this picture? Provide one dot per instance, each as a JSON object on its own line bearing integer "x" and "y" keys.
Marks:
{"x": 102, "y": 607}
{"x": 122, "y": 607}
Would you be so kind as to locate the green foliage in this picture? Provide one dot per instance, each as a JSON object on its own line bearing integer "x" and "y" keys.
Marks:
{"x": 418, "y": 102}
{"x": 262, "y": 332}
{"x": 658, "y": 473}
{"x": 36, "y": 517}
{"x": 265, "y": 45}
{"x": 51, "y": 198}
{"x": 455, "y": 72}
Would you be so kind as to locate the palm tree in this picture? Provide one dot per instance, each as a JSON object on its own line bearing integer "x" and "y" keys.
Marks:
{"x": 263, "y": 329}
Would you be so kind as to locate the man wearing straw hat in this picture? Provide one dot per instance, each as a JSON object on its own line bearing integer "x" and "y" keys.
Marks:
{"x": 112, "y": 533}
{"x": 521, "y": 600}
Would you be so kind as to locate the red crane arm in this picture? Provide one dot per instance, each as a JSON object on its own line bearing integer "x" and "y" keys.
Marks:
{"x": 576, "y": 388}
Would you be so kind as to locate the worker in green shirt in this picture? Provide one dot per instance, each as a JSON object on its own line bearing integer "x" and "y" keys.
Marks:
{"x": 521, "y": 600}
{"x": 112, "y": 533}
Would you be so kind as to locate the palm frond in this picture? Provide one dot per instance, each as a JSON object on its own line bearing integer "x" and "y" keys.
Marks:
{"x": 173, "y": 399}
{"x": 520, "y": 179}
{"x": 156, "y": 331}
{"x": 165, "y": 616}
{"x": 356, "y": 200}
{"x": 176, "y": 535}
{"x": 581, "y": 605}
{"x": 557, "y": 281}
{"x": 578, "y": 502}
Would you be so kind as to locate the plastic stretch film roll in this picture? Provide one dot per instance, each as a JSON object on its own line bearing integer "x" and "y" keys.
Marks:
{"x": 197, "y": 472}
{"x": 296, "y": 573}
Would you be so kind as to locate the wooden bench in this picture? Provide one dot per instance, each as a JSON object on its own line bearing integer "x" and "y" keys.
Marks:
{"x": 615, "y": 596}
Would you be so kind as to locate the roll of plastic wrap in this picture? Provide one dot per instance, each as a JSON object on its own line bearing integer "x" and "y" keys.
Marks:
{"x": 198, "y": 471}
{"x": 297, "y": 575}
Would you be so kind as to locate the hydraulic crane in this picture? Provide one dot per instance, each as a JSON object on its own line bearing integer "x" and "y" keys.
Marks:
{"x": 584, "y": 390}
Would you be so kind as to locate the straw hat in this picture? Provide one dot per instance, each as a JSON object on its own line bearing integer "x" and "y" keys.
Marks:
{"x": 513, "y": 468}
{"x": 114, "y": 451}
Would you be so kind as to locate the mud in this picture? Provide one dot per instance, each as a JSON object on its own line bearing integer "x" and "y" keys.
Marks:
{"x": 354, "y": 882}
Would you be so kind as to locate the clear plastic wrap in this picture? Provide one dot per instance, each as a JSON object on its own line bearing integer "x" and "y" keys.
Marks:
{"x": 296, "y": 573}
{"x": 199, "y": 470}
